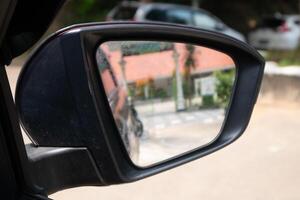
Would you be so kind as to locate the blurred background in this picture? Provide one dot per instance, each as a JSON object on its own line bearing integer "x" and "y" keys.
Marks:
{"x": 264, "y": 162}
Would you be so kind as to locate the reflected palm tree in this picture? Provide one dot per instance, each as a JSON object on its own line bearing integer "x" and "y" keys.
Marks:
{"x": 189, "y": 65}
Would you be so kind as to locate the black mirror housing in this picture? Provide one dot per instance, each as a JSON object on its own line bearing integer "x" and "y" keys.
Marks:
{"x": 62, "y": 105}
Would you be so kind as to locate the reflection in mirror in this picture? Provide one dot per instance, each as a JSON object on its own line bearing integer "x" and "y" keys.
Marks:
{"x": 167, "y": 98}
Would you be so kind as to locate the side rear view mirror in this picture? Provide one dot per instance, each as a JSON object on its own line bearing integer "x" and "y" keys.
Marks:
{"x": 117, "y": 102}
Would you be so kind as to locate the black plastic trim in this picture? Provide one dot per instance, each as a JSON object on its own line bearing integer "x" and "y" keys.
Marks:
{"x": 61, "y": 168}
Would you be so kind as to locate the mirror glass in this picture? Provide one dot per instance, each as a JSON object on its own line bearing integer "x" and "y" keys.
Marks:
{"x": 167, "y": 98}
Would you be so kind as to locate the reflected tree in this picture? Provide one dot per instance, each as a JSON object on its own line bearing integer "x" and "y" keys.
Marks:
{"x": 189, "y": 66}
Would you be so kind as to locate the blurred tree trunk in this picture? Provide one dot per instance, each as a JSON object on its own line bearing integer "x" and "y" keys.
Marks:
{"x": 195, "y": 3}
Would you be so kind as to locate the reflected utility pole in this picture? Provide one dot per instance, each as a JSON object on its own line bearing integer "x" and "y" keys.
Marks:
{"x": 180, "y": 104}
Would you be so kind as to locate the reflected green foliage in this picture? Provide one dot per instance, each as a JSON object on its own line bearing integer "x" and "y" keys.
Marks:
{"x": 160, "y": 93}
{"x": 208, "y": 102}
{"x": 139, "y": 48}
{"x": 224, "y": 85}
{"x": 138, "y": 91}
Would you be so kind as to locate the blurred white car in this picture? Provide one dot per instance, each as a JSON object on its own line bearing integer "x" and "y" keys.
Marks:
{"x": 277, "y": 33}
{"x": 171, "y": 13}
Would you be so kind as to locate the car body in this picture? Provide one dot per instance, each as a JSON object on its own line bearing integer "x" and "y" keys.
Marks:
{"x": 276, "y": 33}
{"x": 171, "y": 13}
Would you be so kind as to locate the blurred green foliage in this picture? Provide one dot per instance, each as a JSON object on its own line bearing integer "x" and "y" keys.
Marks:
{"x": 236, "y": 13}
{"x": 82, "y": 11}
{"x": 284, "y": 58}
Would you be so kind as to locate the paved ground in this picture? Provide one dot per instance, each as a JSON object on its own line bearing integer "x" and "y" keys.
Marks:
{"x": 264, "y": 164}
{"x": 169, "y": 133}
{"x": 159, "y": 120}
{"x": 172, "y": 134}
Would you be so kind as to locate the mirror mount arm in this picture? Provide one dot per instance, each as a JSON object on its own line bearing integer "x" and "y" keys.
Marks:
{"x": 57, "y": 168}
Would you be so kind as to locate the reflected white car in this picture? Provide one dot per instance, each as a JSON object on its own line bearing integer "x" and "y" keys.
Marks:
{"x": 277, "y": 33}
